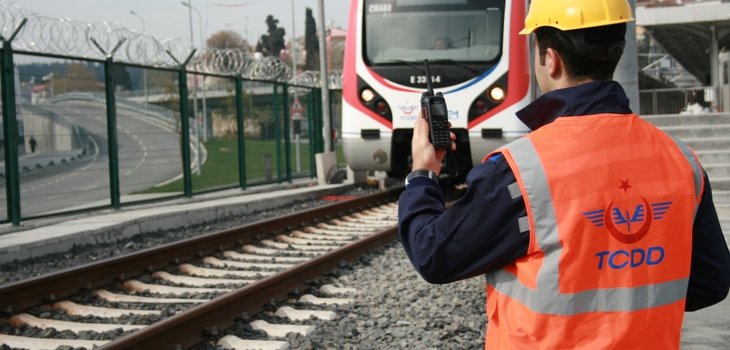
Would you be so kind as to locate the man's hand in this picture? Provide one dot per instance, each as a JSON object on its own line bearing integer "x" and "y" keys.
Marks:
{"x": 424, "y": 155}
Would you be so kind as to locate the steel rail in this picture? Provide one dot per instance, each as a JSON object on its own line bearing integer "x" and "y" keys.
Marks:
{"x": 51, "y": 287}
{"x": 191, "y": 326}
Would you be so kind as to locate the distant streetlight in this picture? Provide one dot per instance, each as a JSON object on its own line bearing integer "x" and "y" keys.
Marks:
{"x": 294, "y": 40}
{"x": 140, "y": 18}
{"x": 200, "y": 21}
{"x": 294, "y": 43}
{"x": 202, "y": 45}
{"x": 195, "y": 90}
{"x": 144, "y": 71}
{"x": 324, "y": 80}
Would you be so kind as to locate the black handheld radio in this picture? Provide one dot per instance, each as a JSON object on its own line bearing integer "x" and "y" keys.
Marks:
{"x": 435, "y": 111}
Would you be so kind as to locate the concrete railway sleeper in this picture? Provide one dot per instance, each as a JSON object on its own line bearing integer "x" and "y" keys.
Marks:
{"x": 172, "y": 296}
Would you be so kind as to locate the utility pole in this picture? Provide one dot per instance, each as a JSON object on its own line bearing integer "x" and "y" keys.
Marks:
{"x": 195, "y": 91}
{"x": 294, "y": 40}
{"x": 297, "y": 122}
{"x": 201, "y": 52}
{"x": 324, "y": 80}
{"x": 144, "y": 70}
{"x": 245, "y": 28}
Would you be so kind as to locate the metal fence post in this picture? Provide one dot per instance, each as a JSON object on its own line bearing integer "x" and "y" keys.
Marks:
{"x": 111, "y": 130}
{"x": 319, "y": 121}
{"x": 287, "y": 134}
{"x": 311, "y": 134}
{"x": 185, "y": 124}
{"x": 331, "y": 121}
{"x": 185, "y": 133}
{"x": 277, "y": 131}
{"x": 10, "y": 129}
{"x": 240, "y": 134}
{"x": 111, "y": 123}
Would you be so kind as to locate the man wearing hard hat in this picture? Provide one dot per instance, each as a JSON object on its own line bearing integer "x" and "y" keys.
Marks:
{"x": 595, "y": 231}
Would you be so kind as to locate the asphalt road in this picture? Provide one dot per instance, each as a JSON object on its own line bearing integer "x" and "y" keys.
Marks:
{"x": 149, "y": 154}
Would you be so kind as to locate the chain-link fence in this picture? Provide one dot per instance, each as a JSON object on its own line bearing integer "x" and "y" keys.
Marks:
{"x": 96, "y": 115}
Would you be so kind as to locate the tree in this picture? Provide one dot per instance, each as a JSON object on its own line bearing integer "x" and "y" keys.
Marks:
{"x": 272, "y": 43}
{"x": 121, "y": 78}
{"x": 224, "y": 40}
{"x": 78, "y": 77}
{"x": 227, "y": 39}
{"x": 162, "y": 80}
{"x": 311, "y": 42}
{"x": 337, "y": 54}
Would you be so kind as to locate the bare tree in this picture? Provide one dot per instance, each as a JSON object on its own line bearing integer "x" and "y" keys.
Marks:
{"x": 227, "y": 39}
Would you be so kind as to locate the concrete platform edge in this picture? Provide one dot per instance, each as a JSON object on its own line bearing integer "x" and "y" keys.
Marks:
{"x": 124, "y": 224}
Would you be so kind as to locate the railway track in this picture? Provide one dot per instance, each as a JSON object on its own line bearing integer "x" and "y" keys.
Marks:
{"x": 175, "y": 295}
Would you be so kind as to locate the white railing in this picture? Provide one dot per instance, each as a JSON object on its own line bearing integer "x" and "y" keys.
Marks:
{"x": 691, "y": 100}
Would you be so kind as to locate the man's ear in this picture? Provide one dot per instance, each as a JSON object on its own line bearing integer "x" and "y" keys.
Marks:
{"x": 554, "y": 63}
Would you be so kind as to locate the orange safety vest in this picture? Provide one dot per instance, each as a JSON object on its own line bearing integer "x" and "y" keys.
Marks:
{"x": 610, "y": 205}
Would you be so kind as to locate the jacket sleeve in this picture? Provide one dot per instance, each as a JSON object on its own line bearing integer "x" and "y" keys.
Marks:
{"x": 709, "y": 278}
{"x": 478, "y": 234}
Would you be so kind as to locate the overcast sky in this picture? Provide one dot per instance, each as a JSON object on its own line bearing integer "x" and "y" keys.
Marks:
{"x": 169, "y": 18}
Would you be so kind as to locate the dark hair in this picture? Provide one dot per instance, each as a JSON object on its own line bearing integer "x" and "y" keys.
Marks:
{"x": 587, "y": 53}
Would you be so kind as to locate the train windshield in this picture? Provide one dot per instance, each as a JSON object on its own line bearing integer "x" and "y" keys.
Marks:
{"x": 414, "y": 30}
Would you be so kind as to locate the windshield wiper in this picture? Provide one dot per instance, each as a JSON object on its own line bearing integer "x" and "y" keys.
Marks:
{"x": 432, "y": 61}
{"x": 409, "y": 64}
{"x": 461, "y": 64}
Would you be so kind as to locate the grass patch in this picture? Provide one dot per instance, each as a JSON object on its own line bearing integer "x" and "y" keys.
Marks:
{"x": 221, "y": 166}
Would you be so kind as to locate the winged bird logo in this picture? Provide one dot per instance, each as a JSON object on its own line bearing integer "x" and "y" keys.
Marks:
{"x": 621, "y": 222}
{"x": 620, "y": 219}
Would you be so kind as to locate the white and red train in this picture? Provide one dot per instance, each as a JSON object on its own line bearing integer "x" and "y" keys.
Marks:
{"x": 477, "y": 60}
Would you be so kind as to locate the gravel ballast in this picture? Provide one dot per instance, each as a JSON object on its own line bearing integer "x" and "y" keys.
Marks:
{"x": 397, "y": 309}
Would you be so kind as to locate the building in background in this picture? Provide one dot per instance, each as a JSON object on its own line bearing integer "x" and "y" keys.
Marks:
{"x": 335, "y": 39}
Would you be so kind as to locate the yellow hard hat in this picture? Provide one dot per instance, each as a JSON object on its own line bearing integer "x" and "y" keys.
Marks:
{"x": 576, "y": 14}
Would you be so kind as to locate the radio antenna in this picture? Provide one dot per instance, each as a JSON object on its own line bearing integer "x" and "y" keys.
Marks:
{"x": 428, "y": 78}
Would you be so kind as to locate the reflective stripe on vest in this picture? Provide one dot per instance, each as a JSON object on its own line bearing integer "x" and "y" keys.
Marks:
{"x": 694, "y": 162}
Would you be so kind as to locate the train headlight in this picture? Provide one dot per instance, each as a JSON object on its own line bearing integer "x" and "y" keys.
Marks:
{"x": 496, "y": 94}
{"x": 367, "y": 95}
{"x": 489, "y": 99}
{"x": 372, "y": 101}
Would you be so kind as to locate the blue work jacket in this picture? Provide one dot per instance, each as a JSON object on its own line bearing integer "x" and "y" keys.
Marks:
{"x": 480, "y": 232}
